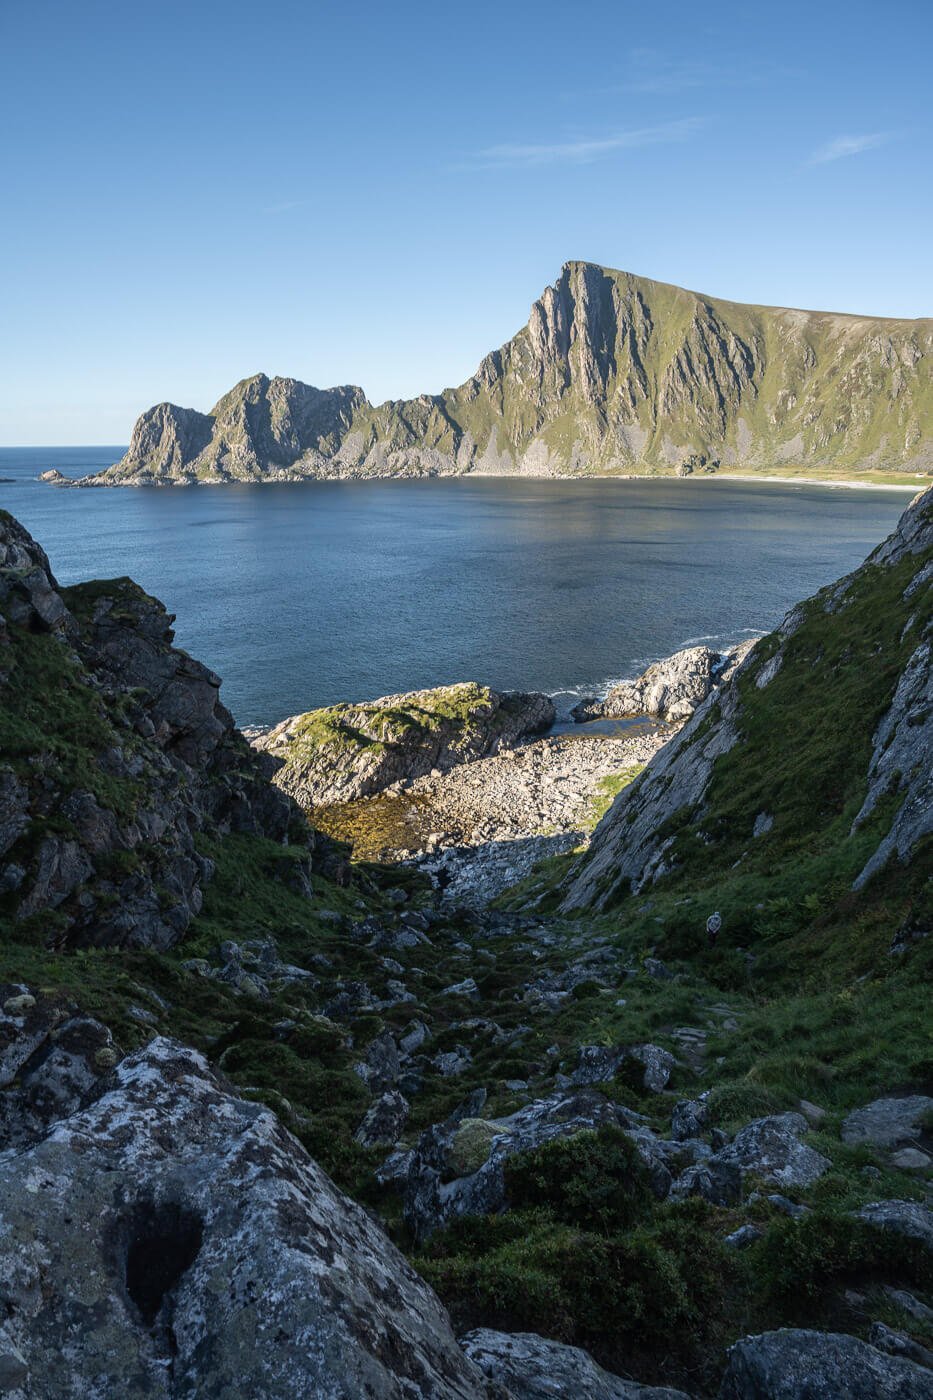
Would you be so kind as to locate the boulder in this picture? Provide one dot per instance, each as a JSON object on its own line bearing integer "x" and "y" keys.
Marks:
{"x": 528, "y": 1367}
{"x": 899, "y": 1344}
{"x": 716, "y": 1181}
{"x": 382, "y": 1066}
{"x": 908, "y": 1218}
{"x": 183, "y": 1243}
{"x": 435, "y": 1194}
{"x": 659, "y": 1065}
{"x": 888, "y": 1122}
{"x": 794, "y": 1364}
{"x": 50, "y": 1060}
{"x": 689, "y": 1119}
{"x": 597, "y": 1064}
{"x": 670, "y": 689}
{"x": 771, "y": 1148}
{"x": 384, "y": 1122}
{"x": 743, "y": 1237}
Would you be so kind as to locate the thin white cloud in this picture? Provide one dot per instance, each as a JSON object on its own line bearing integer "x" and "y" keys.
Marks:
{"x": 286, "y": 206}
{"x": 652, "y": 73}
{"x": 844, "y": 146}
{"x": 585, "y": 150}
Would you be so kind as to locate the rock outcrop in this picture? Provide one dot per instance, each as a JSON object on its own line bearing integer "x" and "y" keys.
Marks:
{"x": 612, "y": 373}
{"x": 169, "y": 1239}
{"x": 889, "y": 1122}
{"x": 530, "y": 1368}
{"x": 117, "y": 753}
{"x": 868, "y": 634}
{"x": 771, "y": 1148}
{"x": 911, "y": 1219}
{"x": 478, "y": 1149}
{"x": 670, "y": 689}
{"x": 794, "y": 1364}
{"x": 348, "y": 751}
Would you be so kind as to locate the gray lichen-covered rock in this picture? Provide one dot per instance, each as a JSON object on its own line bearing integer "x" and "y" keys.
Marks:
{"x": 350, "y": 751}
{"x": 50, "y": 1060}
{"x": 771, "y": 1148}
{"x": 385, "y": 1121}
{"x": 659, "y": 1064}
{"x": 793, "y": 1364}
{"x": 689, "y": 1119}
{"x": 529, "y": 1367}
{"x": 170, "y": 1240}
{"x": 888, "y": 1122}
{"x": 899, "y": 1344}
{"x": 434, "y": 1195}
{"x": 714, "y": 1180}
{"x": 597, "y": 1064}
{"x": 911, "y": 1219}
{"x": 670, "y": 689}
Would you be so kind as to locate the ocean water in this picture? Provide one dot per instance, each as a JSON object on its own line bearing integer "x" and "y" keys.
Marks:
{"x": 304, "y": 595}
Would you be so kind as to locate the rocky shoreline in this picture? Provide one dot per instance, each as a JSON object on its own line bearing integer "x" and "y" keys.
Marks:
{"x": 455, "y": 781}
{"x": 482, "y": 827}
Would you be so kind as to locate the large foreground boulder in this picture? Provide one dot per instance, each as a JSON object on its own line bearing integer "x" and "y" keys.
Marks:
{"x": 529, "y": 1367}
{"x": 794, "y": 1364}
{"x": 171, "y": 1240}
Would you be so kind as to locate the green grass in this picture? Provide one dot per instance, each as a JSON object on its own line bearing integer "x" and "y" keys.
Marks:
{"x": 608, "y": 789}
{"x": 800, "y": 998}
{"x": 375, "y": 726}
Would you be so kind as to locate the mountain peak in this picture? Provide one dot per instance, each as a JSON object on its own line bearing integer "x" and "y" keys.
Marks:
{"x": 613, "y": 373}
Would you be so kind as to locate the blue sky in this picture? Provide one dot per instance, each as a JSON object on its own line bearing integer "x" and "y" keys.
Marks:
{"x": 376, "y": 193}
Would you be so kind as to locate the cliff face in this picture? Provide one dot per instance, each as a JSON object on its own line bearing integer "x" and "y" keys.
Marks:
{"x": 817, "y": 744}
{"x": 117, "y": 754}
{"x": 613, "y": 373}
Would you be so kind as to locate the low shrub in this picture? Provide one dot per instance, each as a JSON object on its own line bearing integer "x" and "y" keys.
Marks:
{"x": 593, "y": 1179}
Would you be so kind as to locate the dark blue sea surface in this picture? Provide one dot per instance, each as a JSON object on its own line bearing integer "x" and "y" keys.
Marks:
{"x": 304, "y": 595}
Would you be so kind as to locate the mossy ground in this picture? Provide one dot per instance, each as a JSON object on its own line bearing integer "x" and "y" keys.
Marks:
{"x": 373, "y": 726}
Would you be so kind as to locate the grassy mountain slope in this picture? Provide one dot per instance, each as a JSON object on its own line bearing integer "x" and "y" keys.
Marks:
{"x": 612, "y": 373}
{"x": 800, "y": 998}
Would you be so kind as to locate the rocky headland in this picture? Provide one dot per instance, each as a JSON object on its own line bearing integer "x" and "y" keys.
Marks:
{"x": 454, "y": 778}
{"x": 613, "y": 373}
{"x": 350, "y": 751}
{"x": 670, "y": 689}
{"x": 275, "y": 1122}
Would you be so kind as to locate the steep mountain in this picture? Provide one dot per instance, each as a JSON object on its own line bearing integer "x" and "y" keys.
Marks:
{"x": 612, "y": 373}
{"x": 815, "y": 748}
